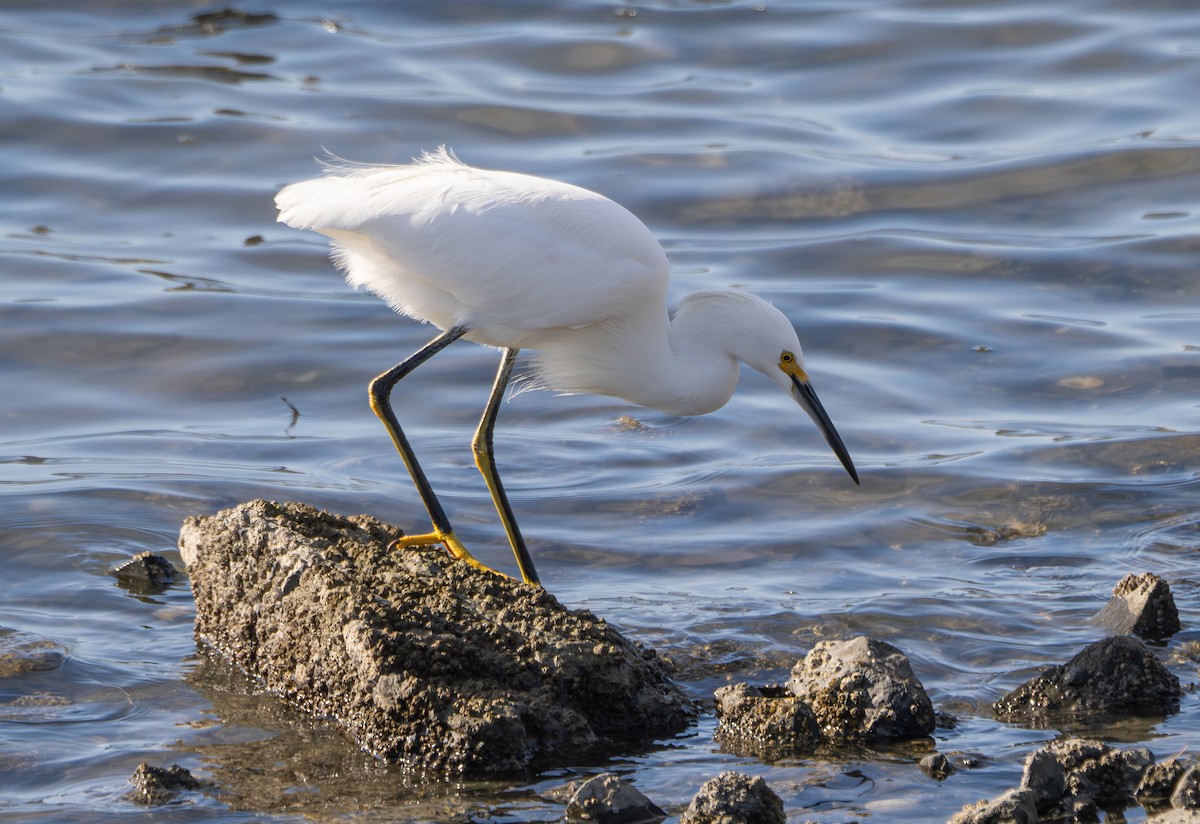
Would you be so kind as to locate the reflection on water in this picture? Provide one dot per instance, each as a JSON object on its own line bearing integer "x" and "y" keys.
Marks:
{"x": 983, "y": 220}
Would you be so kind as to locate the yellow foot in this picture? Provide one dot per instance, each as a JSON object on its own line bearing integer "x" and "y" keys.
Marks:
{"x": 447, "y": 539}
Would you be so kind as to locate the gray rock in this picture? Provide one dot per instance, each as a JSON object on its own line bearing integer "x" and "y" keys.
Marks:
{"x": 1177, "y": 817}
{"x": 1142, "y": 605}
{"x": 767, "y": 723}
{"x": 1186, "y": 795}
{"x": 733, "y": 798}
{"x": 864, "y": 690}
{"x": 1013, "y": 807}
{"x": 937, "y": 765}
{"x": 420, "y": 658}
{"x": 610, "y": 799}
{"x": 1114, "y": 677}
{"x": 154, "y": 786}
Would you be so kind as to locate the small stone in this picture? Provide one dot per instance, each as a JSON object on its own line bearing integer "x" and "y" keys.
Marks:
{"x": 734, "y": 798}
{"x": 146, "y": 573}
{"x": 937, "y": 765}
{"x": 1013, "y": 807}
{"x": 610, "y": 799}
{"x": 1113, "y": 677}
{"x": 154, "y": 786}
{"x": 862, "y": 689}
{"x": 1142, "y": 605}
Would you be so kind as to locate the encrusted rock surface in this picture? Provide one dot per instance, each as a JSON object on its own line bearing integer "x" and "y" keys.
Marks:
{"x": 421, "y": 659}
{"x": 764, "y": 722}
{"x": 862, "y": 689}
{"x": 734, "y": 798}
{"x": 1013, "y": 807}
{"x": 1069, "y": 780}
{"x": 855, "y": 691}
{"x": 154, "y": 786}
{"x": 1142, "y": 605}
{"x": 1158, "y": 782}
{"x": 1113, "y": 677}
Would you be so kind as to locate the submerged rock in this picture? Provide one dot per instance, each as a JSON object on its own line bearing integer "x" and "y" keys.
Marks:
{"x": 610, "y": 799}
{"x": 863, "y": 689}
{"x": 146, "y": 574}
{"x": 733, "y": 798}
{"x": 1142, "y": 605}
{"x": 420, "y": 658}
{"x": 1113, "y": 677}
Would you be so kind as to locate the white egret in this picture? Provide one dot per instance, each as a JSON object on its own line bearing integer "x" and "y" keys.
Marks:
{"x": 518, "y": 262}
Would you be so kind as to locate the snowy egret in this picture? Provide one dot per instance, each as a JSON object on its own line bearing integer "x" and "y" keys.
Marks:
{"x": 518, "y": 262}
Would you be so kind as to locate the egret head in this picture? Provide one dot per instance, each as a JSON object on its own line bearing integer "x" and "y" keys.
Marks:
{"x": 767, "y": 342}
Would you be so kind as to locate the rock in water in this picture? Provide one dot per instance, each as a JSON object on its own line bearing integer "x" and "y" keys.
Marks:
{"x": 863, "y": 689}
{"x": 609, "y": 799}
{"x": 155, "y": 786}
{"x": 1141, "y": 604}
{"x": 420, "y": 658}
{"x": 733, "y": 798}
{"x": 1108, "y": 679}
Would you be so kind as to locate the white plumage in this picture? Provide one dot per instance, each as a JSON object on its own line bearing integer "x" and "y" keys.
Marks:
{"x": 520, "y": 262}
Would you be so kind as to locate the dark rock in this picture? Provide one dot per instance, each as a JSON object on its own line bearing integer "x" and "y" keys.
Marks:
{"x": 146, "y": 574}
{"x": 153, "y": 786}
{"x": 862, "y": 689}
{"x": 1013, "y": 807}
{"x": 1044, "y": 779}
{"x": 1113, "y": 677}
{"x": 1186, "y": 795}
{"x": 610, "y": 799}
{"x": 1142, "y": 605}
{"x": 937, "y": 765}
{"x": 733, "y": 798}
{"x": 420, "y": 658}
{"x": 1094, "y": 771}
{"x": 767, "y": 723}
{"x": 1158, "y": 781}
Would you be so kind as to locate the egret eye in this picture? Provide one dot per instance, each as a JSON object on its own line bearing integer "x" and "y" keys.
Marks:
{"x": 787, "y": 357}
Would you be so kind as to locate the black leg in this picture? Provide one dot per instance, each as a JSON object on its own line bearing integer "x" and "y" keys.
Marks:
{"x": 485, "y": 460}
{"x": 381, "y": 390}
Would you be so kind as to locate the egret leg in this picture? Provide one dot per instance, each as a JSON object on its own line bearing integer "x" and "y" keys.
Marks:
{"x": 381, "y": 405}
{"x": 485, "y": 460}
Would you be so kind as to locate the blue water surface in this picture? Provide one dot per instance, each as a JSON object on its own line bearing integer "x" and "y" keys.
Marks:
{"x": 984, "y": 220}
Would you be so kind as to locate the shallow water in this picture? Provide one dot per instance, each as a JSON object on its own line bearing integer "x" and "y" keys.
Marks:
{"x": 983, "y": 219}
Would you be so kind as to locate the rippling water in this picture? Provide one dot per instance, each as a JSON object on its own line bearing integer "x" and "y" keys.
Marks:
{"x": 982, "y": 217}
